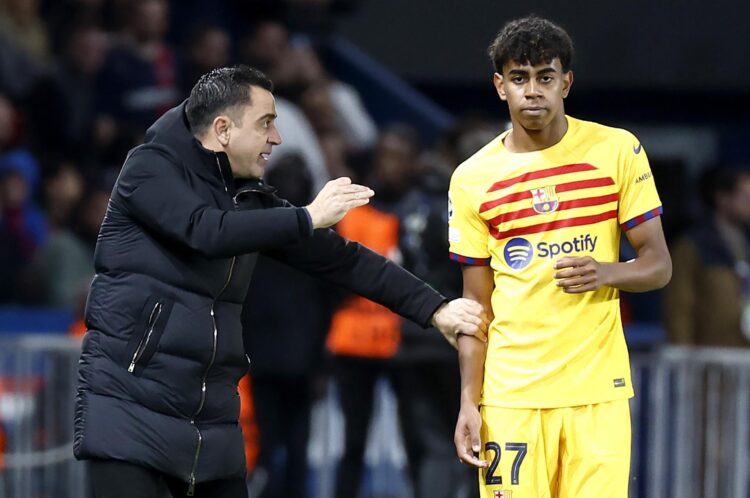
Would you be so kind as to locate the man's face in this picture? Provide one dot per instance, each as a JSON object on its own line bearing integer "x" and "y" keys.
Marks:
{"x": 534, "y": 93}
{"x": 250, "y": 138}
{"x": 396, "y": 160}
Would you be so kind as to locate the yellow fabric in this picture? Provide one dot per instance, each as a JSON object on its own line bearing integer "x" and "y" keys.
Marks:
{"x": 577, "y": 452}
{"x": 520, "y": 212}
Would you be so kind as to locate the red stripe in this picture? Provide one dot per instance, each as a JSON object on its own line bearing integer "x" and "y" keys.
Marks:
{"x": 563, "y": 187}
{"x": 542, "y": 173}
{"x": 553, "y": 225}
{"x": 575, "y": 203}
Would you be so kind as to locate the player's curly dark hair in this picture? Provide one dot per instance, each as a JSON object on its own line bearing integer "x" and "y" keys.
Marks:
{"x": 531, "y": 40}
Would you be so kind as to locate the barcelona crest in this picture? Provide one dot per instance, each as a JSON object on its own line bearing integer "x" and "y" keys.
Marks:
{"x": 502, "y": 494}
{"x": 544, "y": 200}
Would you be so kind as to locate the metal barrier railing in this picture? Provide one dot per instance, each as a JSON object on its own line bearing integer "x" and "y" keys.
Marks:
{"x": 691, "y": 424}
{"x": 37, "y": 387}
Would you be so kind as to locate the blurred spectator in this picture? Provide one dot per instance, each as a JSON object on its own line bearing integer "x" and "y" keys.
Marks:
{"x": 208, "y": 47}
{"x": 299, "y": 75}
{"x": 317, "y": 105}
{"x": 347, "y": 112}
{"x": 22, "y": 224}
{"x": 62, "y": 14}
{"x": 708, "y": 301}
{"x": 24, "y": 47}
{"x": 285, "y": 352}
{"x": 61, "y": 105}
{"x": 10, "y": 125}
{"x": 469, "y": 134}
{"x": 364, "y": 337}
{"x": 63, "y": 192}
{"x": 266, "y": 47}
{"x": 62, "y": 270}
{"x": 427, "y": 369}
{"x": 139, "y": 78}
{"x": 299, "y": 138}
{"x": 20, "y": 179}
{"x": 20, "y": 21}
{"x": 334, "y": 109}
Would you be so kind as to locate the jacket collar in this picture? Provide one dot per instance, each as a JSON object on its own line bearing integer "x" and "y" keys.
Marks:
{"x": 172, "y": 130}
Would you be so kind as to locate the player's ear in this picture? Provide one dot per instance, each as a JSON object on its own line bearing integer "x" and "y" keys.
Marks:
{"x": 221, "y": 126}
{"x": 567, "y": 83}
{"x": 497, "y": 80}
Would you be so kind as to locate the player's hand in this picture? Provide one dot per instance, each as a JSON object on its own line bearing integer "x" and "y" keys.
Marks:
{"x": 335, "y": 199}
{"x": 579, "y": 275}
{"x": 461, "y": 316}
{"x": 466, "y": 438}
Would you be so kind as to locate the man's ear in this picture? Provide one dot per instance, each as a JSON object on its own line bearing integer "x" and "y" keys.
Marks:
{"x": 222, "y": 129}
{"x": 567, "y": 83}
{"x": 497, "y": 81}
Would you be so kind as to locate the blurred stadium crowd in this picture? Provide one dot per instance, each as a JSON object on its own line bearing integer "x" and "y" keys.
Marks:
{"x": 80, "y": 82}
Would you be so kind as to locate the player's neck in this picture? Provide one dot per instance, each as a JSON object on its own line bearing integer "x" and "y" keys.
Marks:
{"x": 522, "y": 139}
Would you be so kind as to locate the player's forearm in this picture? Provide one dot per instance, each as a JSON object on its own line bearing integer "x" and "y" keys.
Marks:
{"x": 651, "y": 270}
{"x": 471, "y": 356}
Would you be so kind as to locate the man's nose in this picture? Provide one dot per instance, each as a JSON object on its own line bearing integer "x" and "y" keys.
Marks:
{"x": 532, "y": 89}
{"x": 275, "y": 137}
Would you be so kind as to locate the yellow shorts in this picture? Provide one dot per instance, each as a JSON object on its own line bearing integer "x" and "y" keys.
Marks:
{"x": 578, "y": 452}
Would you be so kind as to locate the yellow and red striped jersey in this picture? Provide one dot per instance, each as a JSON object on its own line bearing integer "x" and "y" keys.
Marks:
{"x": 519, "y": 213}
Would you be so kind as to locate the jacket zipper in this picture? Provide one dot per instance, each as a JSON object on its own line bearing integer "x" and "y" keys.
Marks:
{"x": 152, "y": 319}
{"x": 191, "y": 478}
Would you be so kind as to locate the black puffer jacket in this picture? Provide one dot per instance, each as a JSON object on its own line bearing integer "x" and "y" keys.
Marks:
{"x": 164, "y": 352}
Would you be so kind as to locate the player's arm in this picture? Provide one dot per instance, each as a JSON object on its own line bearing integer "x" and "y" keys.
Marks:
{"x": 478, "y": 286}
{"x": 651, "y": 269}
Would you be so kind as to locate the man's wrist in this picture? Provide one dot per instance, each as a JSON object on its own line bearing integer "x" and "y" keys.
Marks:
{"x": 433, "y": 320}
{"x": 311, "y": 217}
{"x": 469, "y": 400}
{"x": 607, "y": 274}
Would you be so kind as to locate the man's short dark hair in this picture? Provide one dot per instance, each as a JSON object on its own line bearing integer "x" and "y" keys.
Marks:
{"x": 219, "y": 91}
{"x": 531, "y": 40}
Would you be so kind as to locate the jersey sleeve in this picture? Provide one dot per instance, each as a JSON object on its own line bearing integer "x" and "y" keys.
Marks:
{"x": 639, "y": 200}
{"x": 467, "y": 231}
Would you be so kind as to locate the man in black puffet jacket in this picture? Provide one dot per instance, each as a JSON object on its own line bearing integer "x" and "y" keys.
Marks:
{"x": 157, "y": 400}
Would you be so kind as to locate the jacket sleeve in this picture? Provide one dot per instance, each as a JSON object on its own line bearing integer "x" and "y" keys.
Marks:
{"x": 358, "y": 269}
{"x": 153, "y": 191}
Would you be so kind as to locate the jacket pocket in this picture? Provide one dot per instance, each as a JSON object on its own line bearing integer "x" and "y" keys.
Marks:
{"x": 145, "y": 341}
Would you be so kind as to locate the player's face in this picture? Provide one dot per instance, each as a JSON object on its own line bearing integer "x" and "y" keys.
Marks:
{"x": 534, "y": 93}
{"x": 251, "y": 138}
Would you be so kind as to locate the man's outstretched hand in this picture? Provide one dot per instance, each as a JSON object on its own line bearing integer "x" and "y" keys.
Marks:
{"x": 461, "y": 316}
{"x": 335, "y": 200}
